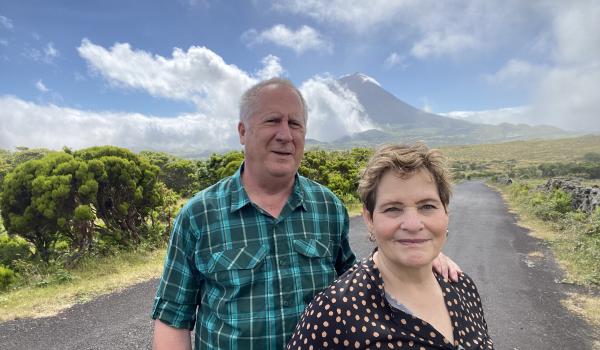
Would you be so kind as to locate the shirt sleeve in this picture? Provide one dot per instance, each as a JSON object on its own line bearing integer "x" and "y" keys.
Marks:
{"x": 178, "y": 293}
{"x": 318, "y": 328}
{"x": 345, "y": 257}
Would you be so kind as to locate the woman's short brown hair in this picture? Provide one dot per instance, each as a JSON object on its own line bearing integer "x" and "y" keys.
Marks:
{"x": 404, "y": 160}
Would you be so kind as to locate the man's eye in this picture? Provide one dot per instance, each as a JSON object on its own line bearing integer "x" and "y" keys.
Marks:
{"x": 428, "y": 207}
{"x": 391, "y": 210}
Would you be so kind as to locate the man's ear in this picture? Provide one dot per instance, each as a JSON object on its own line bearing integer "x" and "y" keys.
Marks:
{"x": 242, "y": 132}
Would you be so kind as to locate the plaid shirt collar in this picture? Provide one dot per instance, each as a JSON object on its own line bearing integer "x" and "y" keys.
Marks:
{"x": 239, "y": 197}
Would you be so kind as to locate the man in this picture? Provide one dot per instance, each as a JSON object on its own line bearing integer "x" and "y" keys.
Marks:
{"x": 247, "y": 254}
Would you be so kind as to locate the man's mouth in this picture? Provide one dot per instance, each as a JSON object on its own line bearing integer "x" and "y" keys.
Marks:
{"x": 282, "y": 153}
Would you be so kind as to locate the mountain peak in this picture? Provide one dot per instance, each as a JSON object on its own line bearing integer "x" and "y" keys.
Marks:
{"x": 363, "y": 78}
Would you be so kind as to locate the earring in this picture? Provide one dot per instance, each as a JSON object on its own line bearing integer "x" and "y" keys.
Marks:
{"x": 371, "y": 236}
{"x": 446, "y": 233}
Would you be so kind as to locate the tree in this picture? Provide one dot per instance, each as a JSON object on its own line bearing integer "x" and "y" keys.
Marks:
{"x": 127, "y": 190}
{"x": 42, "y": 200}
{"x": 180, "y": 175}
{"x": 218, "y": 166}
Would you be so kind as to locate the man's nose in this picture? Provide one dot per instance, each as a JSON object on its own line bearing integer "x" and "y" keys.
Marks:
{"x": 284, "y": 133}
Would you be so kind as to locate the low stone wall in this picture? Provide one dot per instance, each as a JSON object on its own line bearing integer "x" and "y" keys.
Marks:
{"x": 586, "y": 199}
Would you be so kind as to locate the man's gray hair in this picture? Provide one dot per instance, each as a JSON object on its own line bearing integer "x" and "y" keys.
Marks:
{"x": 248, "y": 100}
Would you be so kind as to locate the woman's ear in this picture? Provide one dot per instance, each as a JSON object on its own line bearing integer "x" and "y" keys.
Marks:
{"x": 368, "y": 219}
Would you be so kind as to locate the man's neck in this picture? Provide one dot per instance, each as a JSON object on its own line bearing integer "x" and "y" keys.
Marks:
{"x": 269, "y": 194}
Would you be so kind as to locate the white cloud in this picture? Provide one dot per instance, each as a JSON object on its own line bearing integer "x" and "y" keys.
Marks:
{"x": 431, "y": 28}
{"x": 442, "y": 43}
{"x": 3, "y": 42}
{"x": 568, "y": 97}
{"x": 395, "y": 59}
{"x": 6, "y": 22}
{"x": 517, "y": 71}
{"x": 40, "y": 86}
{"x": 50, "y": 52}
{"x": 46, "y": 55}
{"x": 577, "y": 31}
{"x": 197, "y": 75}
{"x": 333, "y": 111}
{"x": 301, "y": 40}
{"x": 271, "y": 68}
{"x": 356, "y": 14}
{"x": 513, "y": 115}
{"x": 564, "y": 89}
{"x": 426, "y": 105}
{"x": 33, "y": 125}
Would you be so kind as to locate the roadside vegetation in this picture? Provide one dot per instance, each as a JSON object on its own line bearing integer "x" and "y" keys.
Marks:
{"x": 519, "y": 170}
{"x": 77, "y": 224}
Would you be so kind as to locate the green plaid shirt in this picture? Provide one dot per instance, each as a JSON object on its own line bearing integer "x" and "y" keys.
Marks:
{"x": 243, "y": 277}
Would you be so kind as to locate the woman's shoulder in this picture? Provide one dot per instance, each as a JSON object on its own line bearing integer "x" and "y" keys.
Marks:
{"x": 466, "y": 283}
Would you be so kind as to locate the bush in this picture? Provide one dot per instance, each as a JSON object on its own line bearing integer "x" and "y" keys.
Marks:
{"x": 592, "y": 227}
{"x": 560, "y": 201}
{"x": 13, "y": 248}
{"x": 7, "y": 277}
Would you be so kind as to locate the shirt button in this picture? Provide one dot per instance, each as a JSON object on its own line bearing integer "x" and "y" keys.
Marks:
{"x": 286, "y": 303}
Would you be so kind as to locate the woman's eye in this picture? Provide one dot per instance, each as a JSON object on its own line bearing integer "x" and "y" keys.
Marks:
{"x": 428, "y": 207}
{"x": 391, "y": 209}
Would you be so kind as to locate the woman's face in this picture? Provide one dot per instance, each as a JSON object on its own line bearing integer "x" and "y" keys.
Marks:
{"x": 409, "y": 221}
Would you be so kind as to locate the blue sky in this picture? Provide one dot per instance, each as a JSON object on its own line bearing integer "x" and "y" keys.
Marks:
{"x": 168, "y": 74}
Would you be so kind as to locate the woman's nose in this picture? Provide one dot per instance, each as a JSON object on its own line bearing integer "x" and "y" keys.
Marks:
{"x": 411, "y": 221}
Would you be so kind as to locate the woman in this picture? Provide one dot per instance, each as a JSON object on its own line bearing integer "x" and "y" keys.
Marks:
{"x": 392, "y": 299}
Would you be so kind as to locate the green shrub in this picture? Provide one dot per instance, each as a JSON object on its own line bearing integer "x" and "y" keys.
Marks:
{"x": 519, "y": 190}
{"x": 7, "y": 277}
{"x": 13, "y": 248}
{"x": 62, "y": 276}
{"x": 560, "y": 201}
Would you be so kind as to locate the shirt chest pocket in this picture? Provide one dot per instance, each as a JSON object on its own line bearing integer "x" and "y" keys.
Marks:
{"x": 237, "y": 266}
{"x": 312, "y": 248}
{"x": 316, "y": 265}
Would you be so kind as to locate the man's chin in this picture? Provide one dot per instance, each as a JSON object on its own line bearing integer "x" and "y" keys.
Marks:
{"x": 282, "y": 170}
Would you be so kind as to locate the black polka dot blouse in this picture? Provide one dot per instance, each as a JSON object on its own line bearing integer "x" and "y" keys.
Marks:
{"x": 353, "y": 313}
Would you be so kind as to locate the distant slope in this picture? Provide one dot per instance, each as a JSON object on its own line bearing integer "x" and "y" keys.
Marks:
{"x": 533, "y": 151}
{"x": 398, "y": 121}
{"x": 384, "y": 108}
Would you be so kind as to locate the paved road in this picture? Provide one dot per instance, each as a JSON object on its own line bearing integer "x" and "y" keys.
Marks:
{"x": 521, "y": 298}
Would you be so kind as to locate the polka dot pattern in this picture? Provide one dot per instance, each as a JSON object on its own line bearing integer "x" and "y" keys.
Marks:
{"x": 361, "y": 317}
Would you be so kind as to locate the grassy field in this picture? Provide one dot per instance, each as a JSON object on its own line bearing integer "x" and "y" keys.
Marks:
{"x": 92, "y": 278}
{"x": 527, "y": 152}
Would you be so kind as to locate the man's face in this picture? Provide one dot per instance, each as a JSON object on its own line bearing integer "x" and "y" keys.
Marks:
{"x": 274, "y": 135}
